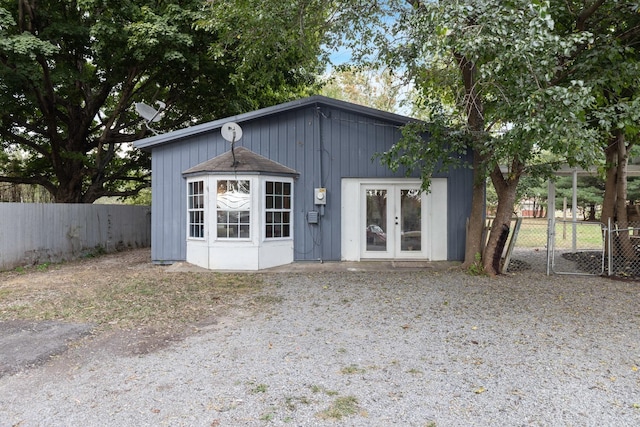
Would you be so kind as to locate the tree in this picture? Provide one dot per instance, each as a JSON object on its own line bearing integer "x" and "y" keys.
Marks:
{"x": 70, "y": 72}
{"x": 590, "y": 192}
{"x": 365, "y": 87}
{"x": 509, "y": 88}
{"x": 609, "y": 65}
{"x": 535, "y": 189}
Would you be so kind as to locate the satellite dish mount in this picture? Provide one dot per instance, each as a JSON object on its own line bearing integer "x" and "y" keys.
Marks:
{"x": 232, "y": 132}
{"x": 150, "y": 114}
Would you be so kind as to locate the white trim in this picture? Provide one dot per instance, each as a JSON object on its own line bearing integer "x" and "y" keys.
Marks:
{"x": 433, "y": 220}
{"x": 253, "y": 253}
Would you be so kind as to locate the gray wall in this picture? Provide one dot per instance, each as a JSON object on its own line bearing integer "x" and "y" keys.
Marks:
{"x": 37, "y": 233}
{"x": 341, "y": 147}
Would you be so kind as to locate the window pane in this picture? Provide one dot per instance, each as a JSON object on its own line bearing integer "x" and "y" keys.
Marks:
{"x": 278, "y": 205}
{"x": 195, "y": 208}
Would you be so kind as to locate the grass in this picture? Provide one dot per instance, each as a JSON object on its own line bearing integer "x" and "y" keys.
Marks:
{"x": 320, "y": 389}
{"x": 121, "y": 298}
{"x": 340, "y": 408}
{"x": 533, "y": 234}
{"x": 352, "y": 369}
{"x": 260, "y": 388}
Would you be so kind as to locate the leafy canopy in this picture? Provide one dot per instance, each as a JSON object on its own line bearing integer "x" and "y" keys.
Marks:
{"x": 70, "y": 72}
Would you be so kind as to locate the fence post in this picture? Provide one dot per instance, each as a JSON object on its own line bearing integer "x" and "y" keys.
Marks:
{"x": 551, "y": 223}
{"x": 609, "y": 248}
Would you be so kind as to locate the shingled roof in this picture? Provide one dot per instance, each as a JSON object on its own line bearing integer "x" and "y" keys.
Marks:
{"x": 246, "y": 161}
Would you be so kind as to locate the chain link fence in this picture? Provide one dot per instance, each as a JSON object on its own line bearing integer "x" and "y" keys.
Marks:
{"x": 580, "y": 247}
{"x": 623, "y": 259}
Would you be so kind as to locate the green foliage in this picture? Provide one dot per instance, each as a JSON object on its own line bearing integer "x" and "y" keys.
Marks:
{"x": 477, "y": 268}
{"x": 71, "y": 71}
{"x": 143, "y": 198}
{"x": 341, "y": 407}
{"x": 428, "y": 148}
{"x": 514, "y": 49}
{"x": 373, "y": 88}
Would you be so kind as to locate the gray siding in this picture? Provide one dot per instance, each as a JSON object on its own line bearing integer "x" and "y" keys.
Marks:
{"x": 324, "y": 143}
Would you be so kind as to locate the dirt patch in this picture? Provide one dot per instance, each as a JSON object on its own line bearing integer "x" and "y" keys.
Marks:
{"x": 25, "y": 344}
{"x": 113, "y": 304}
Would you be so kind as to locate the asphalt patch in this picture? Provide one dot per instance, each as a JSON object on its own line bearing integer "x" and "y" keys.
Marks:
{"x": 24, "y": 344}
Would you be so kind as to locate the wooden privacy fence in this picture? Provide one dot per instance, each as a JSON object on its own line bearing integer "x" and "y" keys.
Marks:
{"x": 33, "y": 233}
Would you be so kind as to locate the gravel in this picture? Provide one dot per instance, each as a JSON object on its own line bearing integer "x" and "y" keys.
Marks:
{"x": 412, "y": 348}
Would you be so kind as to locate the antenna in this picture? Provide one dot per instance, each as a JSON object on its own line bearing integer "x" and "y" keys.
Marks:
{"x": 150, "y": 114}
{"x": 232, "y": 132}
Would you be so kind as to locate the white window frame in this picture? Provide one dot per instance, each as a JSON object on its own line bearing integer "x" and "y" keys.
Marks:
{"x": 274, "y": 209}
{"x": 196, "y": 216}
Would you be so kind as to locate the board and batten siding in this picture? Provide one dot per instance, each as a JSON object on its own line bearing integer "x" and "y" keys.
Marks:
{"x": 322, "y": 142}
{"x": 36, "y": 233}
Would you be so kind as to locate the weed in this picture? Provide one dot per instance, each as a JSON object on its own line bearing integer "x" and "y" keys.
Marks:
{"x": 43, "y": 267}
{"x": 341, "y": 407}
{"x": 95, "y": 252}
{"x": 320, "y": 389}
{"x": 269, "y": 416}
{"x": 20, "y": 270}
{"x": 290, "y": 402}
{"x": 477, "y": 269}
{"x": 414, "y": 371}
{"x": 352, "y": 369}
{"x": 260, "y": 388}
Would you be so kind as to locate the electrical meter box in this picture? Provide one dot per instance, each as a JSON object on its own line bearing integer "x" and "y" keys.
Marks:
{"x": 320, "y": 196}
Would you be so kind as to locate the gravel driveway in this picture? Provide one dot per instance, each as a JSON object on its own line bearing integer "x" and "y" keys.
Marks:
{"x": 411, "y": 348}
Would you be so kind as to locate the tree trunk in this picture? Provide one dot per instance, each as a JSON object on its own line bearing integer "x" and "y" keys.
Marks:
{"x": 609, "y": 201}
{"x": 475, "y": 229}
{"x": 624, "y": 241}
{"x": 475, "y": 122}
{"x": 506, "y": 191}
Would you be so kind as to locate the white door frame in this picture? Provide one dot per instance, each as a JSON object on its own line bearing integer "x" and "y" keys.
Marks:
{"x": 353, "y": 217}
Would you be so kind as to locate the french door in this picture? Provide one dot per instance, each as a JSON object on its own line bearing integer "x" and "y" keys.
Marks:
{"x": 393, "y": 221}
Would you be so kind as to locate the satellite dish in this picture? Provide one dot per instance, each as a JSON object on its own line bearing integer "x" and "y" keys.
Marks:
{"x": 150, "y": 114}
{"x": 231, "y": 132}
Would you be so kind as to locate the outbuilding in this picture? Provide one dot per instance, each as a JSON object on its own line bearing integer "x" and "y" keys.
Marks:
{"x": 301, "y": 183}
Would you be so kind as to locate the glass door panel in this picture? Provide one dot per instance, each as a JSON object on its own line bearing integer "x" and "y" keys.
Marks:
{"x": 410, "y": 220}
{"x": 376, "y": 220}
